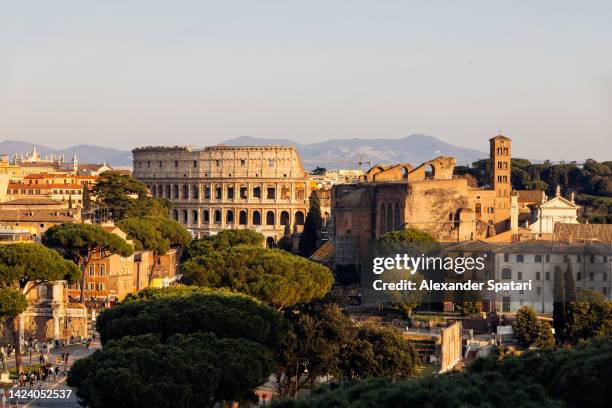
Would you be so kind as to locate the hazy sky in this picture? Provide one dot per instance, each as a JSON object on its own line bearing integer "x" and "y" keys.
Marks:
{"x": 129, "y": 73}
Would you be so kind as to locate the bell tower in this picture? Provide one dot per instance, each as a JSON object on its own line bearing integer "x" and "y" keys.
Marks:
{"x": 499, "y": 162}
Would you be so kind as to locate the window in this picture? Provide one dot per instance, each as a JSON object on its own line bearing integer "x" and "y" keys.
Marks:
{"x": 207, "y": 192}
{"x": 591, "y": 276}
{"x": 92, "y": 270}
{"x": 256, "y": 218}
{"x": 506, "y": 257}
{"x": 520, "y": 258}
{"x": 176, "y": 163}
{"x": 242, "y": 163}
{"x": 256, "y": 192}
{"x": 217, "y": 163}
{"x": 578, "y": 258}
{"x": 538, "y": 258}
{"x": 547, "y": 258}
{"x": 185, "y": 217}
{"x": 195, "y": 191}
{"x": 229, "y": 217}
{"x": 217, "y": 216}
{"x": 230, "y": 192}
{"x": 578, "y": 276}
{"x": 243, "y": 192}
{"x": 604, "y": 290}
{"x": 206, "y": 216}
{"x": 520, "y": 275}
{"x": 218, "y": 192}
{"x": 102, "y": 270}
{"x": 271, "y": 163}
{"x": 148, "y": 164}
{"x": 506, "y": 304}
{"x": 592, "y": 258}
{"x": 271, "y": 193}
{"x": 91, "y": 286}
{"x": 566, "y": 258}
{"x": 185, "y": 191}
{"x": 539, "y": 290}
{"x": 194, "y": 216}
{"x": 547, "y": 276}
{"x": 195, "y": 163}
{"x": 605, "y": 276}
{"x": 605, "y": 259}
{"x": 506, "y": 273}
{"x": 270, "y": 218}
{"x": 490, "y": 210}
{"x": 242, "y": 217}
{"x": 161, "y": 164}
{"x": 538, "y": 276}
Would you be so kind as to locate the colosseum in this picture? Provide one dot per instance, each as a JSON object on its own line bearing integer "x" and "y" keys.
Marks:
{"x": 220, "y": 187}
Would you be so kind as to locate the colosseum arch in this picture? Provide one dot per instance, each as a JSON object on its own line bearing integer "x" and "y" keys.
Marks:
{"x": 383, "y": 218}
{"x": 206, "y": 217}
{"x": 299, "y": 218}
{"x": 270, "y": 218}
{"x": 242, "y": 217}
{"x": 175, "y": 190}
{"x": 256, "y": 218}
{"x": 194, "y": 216}
{"x": 175, "y": 215}
{"x": 185, "y": 217}
{"x": 217, "y": 216}
{"x": 284, "y": 218}
{"x": 229, "y": 217}
{"x": 168, "y": 193}
{"x": 390, "y": 226}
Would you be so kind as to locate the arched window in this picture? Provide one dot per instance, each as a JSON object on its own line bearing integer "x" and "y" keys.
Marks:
{"x": 168, "y": 193}
{"x": 195, "y": 191}
{"x": 284, "y": 218}
{"x": 229, "y": 217}
{"x": 217, "y": 216}
{"x": 478, "y": 210}
{"x": 299, "y": 218}
{"x": 506, "y": 273}
{"x": 430, "y": 171}
{"x": 383, "y": 219}
{"x": 175, "y": 189}
{"x": 175, "y": 215}
{"x": 270, "y": 242}
{"x": 242, "y": 217}
{"x": 206, "y": 215}
{"x": 390, "y": 226}
{"x": 256, "y": 218}
{"x": 185, "y": 217}
{"x": 185, "y": 191}
{"x": 256, "y": 192}
{"x": 270, "y": 218}
{"x": 194, "y": 216}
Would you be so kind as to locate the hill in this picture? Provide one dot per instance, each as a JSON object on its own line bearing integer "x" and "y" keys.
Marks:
{"x": 346, "y": 153}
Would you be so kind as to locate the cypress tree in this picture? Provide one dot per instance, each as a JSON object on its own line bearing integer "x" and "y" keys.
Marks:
{"x": 570, "y": 284}
{"x": 558, "y": 306}
{"x": 312, "y": 226}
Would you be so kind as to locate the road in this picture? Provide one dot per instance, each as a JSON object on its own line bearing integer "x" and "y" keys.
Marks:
{"x": 76, "y": 352}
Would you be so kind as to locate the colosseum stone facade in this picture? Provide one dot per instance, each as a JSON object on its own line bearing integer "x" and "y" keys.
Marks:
{"x": 221, "y": 187}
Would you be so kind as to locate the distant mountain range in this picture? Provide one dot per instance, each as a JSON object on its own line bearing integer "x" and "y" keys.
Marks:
{"x": 346, "y": 153}
{"x": 85, "y": 153}
{"x": 335, "y": 153}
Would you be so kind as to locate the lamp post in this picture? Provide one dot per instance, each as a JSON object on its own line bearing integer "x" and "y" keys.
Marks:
{"x": 304, "y": 362}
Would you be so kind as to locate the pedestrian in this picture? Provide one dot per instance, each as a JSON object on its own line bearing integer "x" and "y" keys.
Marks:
{"x": 57, "y": 370}
{"x": 63, "y": 354}
{"x": 67, "y": 355}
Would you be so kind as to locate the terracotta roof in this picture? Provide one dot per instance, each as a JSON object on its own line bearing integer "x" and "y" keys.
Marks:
{"x": 36, "y": 216}
{"x": 42, "y": 186}
{"x": 582, "y": 232}
{"x": 32, "y": 201}
{"x": 532, "y": 196}
{"x": 93, "y": 167}
{"x": 544, "y": 247}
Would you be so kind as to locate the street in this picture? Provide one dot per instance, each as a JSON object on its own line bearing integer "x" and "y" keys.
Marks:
{"x": 76, "y": 352}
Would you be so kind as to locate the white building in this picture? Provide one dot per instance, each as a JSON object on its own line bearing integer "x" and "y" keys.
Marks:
{"x": 546, "y": 214}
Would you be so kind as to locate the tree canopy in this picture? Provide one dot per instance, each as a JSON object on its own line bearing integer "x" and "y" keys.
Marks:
{"x": 188, "y": 309}
{"x": 180, "y": 347}
{"x": 236, "y": 259}
{"x": 125, "y": 197}
{"x": 272, "y": 275}
{"x": 531, "y": 331}
{"x": 570, "y": 378}
{"x": 154, "y": 233}
{"x": 408, "y": 236}
{"x": 312, "y": 227}
{"x": 78, "y": 242}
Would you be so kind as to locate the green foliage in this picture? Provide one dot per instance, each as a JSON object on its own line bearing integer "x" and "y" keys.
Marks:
{"x": 155, "y": 234}
{"x": 590, "y": 295}
{"x": 126, "y": 197}
{"x": 558, "y": 378}
{"x": 378, "y": 352}
{"x": 12, "y": 303}
{"x": 408, "y": 236}
{"x": 468, "y": 308}
{"x": 531, "y": 331}
{"x": 592, "y": 183}
{"x": 333, "y": 345}
{"x": 587, "y": 319}
{"x": 78, "y": 242}
{"x": 186, "y": 310}
{"x": 570, "y": 284}
{"x": 236, "y": 259}
{"x": 312, "y": 227}
{"x": 185, "y": 371}
{"x": 558, "y": 307}
{"x": 27, "y": 262}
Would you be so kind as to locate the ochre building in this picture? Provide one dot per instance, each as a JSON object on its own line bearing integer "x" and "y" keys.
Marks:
{"x": 220, "y": 187}
{"x": 428, "y": 197}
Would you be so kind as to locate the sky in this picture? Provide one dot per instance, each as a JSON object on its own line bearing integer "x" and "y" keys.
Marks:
{"x": 134, "y": 73}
